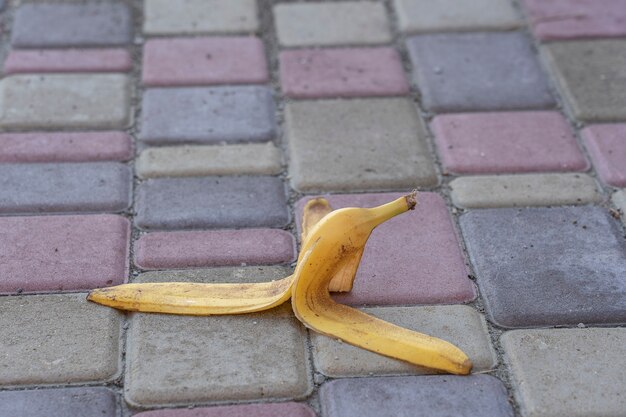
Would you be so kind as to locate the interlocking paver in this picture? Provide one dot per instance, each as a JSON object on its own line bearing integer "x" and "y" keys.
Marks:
{"x": 65, "y": 146}
{"x": 607, "y": 147}
{"x": 619, "y": 199}
{"x": 568, "y": 372}
{"x": 247, "y": 410}
{"x": 204, "y": 61}
{"x": 62, "y": 101}
{"x": 478, "y": 71}
{"x": 68, "y": 60}
{"x": 54, "y": 188}
{"x": 207, "y": 115}
{"x": 485, "y": 191}
{"x": 548, "y": 266}
{"x": 164, "y": 17}
{"x": 361, "y": 144}
{"x": 57, "y": 339}
{"x": 342, "y": 72}
{"x": 214, "y": 248}
{"x": 433, "y": 396}
{"x": 341, "y": 23}
{"x": 226, "y": 274}
{"x": 455, "y": 15}
{"x": 460, "y": 325}
{"x": 67, "y": 24}
{"x": 412, "y": 259}
{"x": 507, "y": 142}
{"x": 211, "y": 202}
{"x": 57, "y": 253}
{"x": 592, "y": 77}
{"x": 62, "y": 402}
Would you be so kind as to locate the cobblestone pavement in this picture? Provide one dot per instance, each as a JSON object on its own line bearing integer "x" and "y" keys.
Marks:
{"x": 162, "y": 140}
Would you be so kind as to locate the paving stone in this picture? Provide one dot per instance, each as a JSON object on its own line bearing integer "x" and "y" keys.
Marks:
{"x": 248, "y": 410}
{"x": 548, "y": 266}
{"x": 69, "y": 24}
{"x": 190, "y": 161}
{"x": 55, "y": 188}
{"x": 342, "y": 72}
{"x": 460, "y": 325}
{"x": 455, "y": 15}
{"x": 207, "y": 115}
{"x": 63, "y": 402}
{"x": 65, "y": 147}
{"x": 68, "y": 60}
{"x": 64, "y": 101}
{"x": 619, "y": 200}
{"x": 412, "y": 259}
{"x": 566, "y": 19}
{"x": 211, "y": 202}
{"x": 607, "y": 147}
{"x": 57, "y": 339}
{"x": 239, "y": 274}
{"x": 568, "y": 372}
{"x": 478, "y": 71}
{"x": 204, "y": 61}
{"x": 326, "y": 24}
{"x": 164, "y": 17}
{"x": 507, "y": 142}
{"x": 345, "y": 145}
{"x": 432, "y": 396}
{"x": 485, "y": 191}
{"x": 592, "y": 77}
{"x": 61, "y": 253}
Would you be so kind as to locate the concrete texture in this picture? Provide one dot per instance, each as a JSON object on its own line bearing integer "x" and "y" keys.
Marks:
{"x": 329, "y": 24}
{"x": 568, "y": 372}
{"x": 61, "y": 402}
{"x": 478, "y": 72}
{"x": 289, "y": 409}
{"x": 607, "y": 147}
{"x": 68, "y": 60}
{"x": 207, "y": 115}
{"x": 548, "y": 266}
{"x": 619, "y": 200}
{"x": 57, "y": 339}
{"x": 228, "y": 274}
{"x": 352, "y": 145}
{"x": 211, "y": 202}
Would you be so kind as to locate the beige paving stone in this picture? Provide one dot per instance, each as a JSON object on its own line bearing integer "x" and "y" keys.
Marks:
{"x": 59, "y": 101}
{"x": 458, "y": 324}
{"x": 239, "y": 274}
{"x": 524, "y": 190}
{"x": 619, "y": 199}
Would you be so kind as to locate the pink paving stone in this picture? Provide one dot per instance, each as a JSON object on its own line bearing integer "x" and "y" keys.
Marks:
{"x": 414, "y": 258}
{"x": 342, "y": 72}
{"x": 68, "y": 60}
{"x": 606, "y": 144}
{"x": 62, "y": 253}
{"x": 204, "y": 61}
{"x": 507, "y": 142}
{"x": 572, "y": 19}
{"x": 162, "y": 250}
{"x": 65, "y": 147}
{"x": 248, "y": 410}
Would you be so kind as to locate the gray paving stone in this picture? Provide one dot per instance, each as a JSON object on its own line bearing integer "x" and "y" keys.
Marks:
{"x": 619, "y": 200}
{"x": 215, "y": 275}
{"x": 524, "y": 190}
{"x": 548, "y": 266}
{"x": 211, "y": 202}
{"x": 432, "y": 396}
{"x": 592, "y": 77}
{"x": 80, "y": 187}
{"x": 57, "y": 339}
{"x": 207, "y": 115}
{"x": 460, "y": 325}
{"x": 478, "y": 71}
{"x": 360, "y": 144}
{"x": 63, "y": 402}
{"x": 568, "y": 372}
{"x": 65, "y": 24}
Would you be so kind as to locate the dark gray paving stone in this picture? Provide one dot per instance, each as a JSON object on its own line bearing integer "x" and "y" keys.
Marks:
{"x": 432, "y": 396}
{"x": 548, "y": 266}
{"x": 211, "y": 202}
{"x": 64, "y": 402}
{"x": 53, "y": 188}
{"x": 65, "y": 24}
{"x": 478, "y": 71}
{"x": 207, "y": 115}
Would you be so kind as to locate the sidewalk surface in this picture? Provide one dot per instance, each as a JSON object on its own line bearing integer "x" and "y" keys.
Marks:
{"x": 178, "y": 140}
